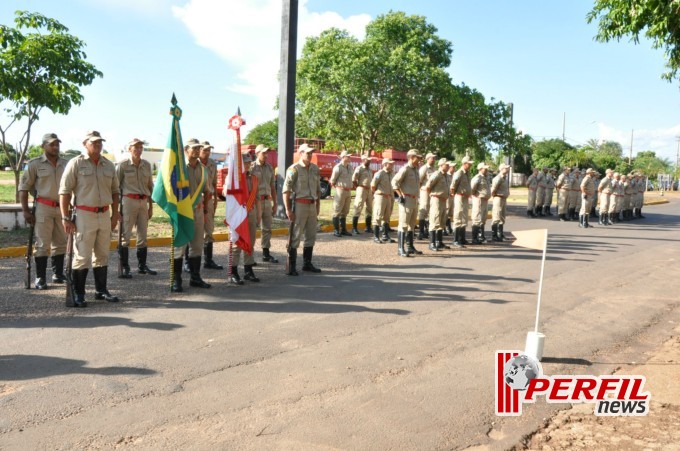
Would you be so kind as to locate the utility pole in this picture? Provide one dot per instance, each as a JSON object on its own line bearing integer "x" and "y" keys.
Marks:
{"x": 677, "y": 158}
{"x": 564, "y": 126}
{"x": 289, "y": 25}
{"x": 630, "y": 154}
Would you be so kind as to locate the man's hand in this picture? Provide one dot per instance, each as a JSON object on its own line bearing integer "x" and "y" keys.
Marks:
{"x": 115, "y": 217}
{"x": 150, "y": 211}
{"x": 274, "y": 208}
{"x": 69, "y": 227}
{"x": 291, "y": 215}
{"x": 29, "y": 218}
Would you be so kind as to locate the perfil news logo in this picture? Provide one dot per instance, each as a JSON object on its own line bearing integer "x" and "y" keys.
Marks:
{"x": 520, "y": 379}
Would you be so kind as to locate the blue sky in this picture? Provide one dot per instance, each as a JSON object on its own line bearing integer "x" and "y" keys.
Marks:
{"x": 220, "y": 54}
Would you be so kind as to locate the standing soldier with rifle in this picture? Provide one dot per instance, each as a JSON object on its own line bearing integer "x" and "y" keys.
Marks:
{"x": 301, "y": 196}
{"x": 42, "y": 176}
{"x": 90, "y": 181}
{"x": 407, "y": 185}
{"x": 136, "y": 184}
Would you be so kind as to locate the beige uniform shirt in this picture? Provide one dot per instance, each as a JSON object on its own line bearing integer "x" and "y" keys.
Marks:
{"x": 588, "y": 185}
{"x": 362, "y": 176}
{"x": 265, "y": 177}
{"x": 641, "y": 186}
{"x": 627, "y": 188}
{"x": 563, "y": 183}
{"x": 407, "y": 180}
{"x": 500, "y": 186}
{"x": 540, "y": 178}
{"x": 424, "y": 173}
{"x": 382, "y": 182}
{"x": 90, "y": 185}
{"x": 532, "y": 182}
{"x": 437, "y": 185}
{"x": 549, "y": 181}
{"x": 210, "y": 175}
{"x": 194, "y": 174}
{"x": 461, "y": 183}
{"x": 135, "y": 179}
{"x": 342, "y": 176}
{"x": 605, "y": 185}
{"x": 302, "y": 181}
{"x": 480, "y": 186}
{"x": 40, "y": 175}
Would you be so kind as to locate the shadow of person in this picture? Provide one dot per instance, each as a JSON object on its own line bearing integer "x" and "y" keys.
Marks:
{"x": 18, "y": 367}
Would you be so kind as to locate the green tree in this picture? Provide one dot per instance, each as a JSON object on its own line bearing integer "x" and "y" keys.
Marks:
{"x": 41, "y": 66}
{"x": 650, "y": 165}
{"x": 552, "y": 153}
{"x": 70, "y": 154}
{"x": 266, "y": 133}
{"x": 657, "y": 20}
{"x": 605, "y": 155}
{"x": 392, "y": 90}
{"x": 8, "y": 156}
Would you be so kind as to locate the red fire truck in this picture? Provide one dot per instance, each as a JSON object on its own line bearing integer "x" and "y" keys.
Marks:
{"x": 325, "y": 162}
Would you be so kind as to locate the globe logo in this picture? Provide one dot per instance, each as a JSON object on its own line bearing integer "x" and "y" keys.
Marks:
{"x": 519, "y": 371}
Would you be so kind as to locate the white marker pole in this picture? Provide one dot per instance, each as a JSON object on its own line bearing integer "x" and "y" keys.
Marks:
{"x": 535, "y": 339}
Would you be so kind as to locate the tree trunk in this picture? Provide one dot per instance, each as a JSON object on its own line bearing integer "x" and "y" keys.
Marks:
{"x": 17, "y": 173}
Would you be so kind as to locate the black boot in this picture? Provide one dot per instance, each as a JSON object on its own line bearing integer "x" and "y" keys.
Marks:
{"x": 355, "y": 224}
{"x": 500, "y": 232}
{"x": 187, "y": 268}
{"x": 539, "y": 211}
{"x": 586, "y": 221}
{"x": 421, "y": 229}
{"x": 574, "y": 214}
{"x": 449, "y": 230}
{"x": 385, "y": 233}
{"x": 409, "y": 243}
{"x": 292, "y": 260}
{"x": 433, "y": 241}
{"x": 640, "y": 213}
{"x": 580, "y": 221}
{"x": 336, "y": 227}
{"x": 530, "y": 213}
{"x": 195, "y": 279}
{"x": 369, "y": 224}
{"x": 101, "y": 274}
{"x": 600, "y": 218}
{"x": 209, "y": 262}
{"x": 440, "y": 240}
{"x": 563, "y": 218}
{"x": 494, "y": 232}
{"x": 462, "y": 236}
{"x": 376, "y": 235}
{"x": 124, "y": 254}
{"x": 307, "y": 260}
{"x": 482, "y": 235}
{"x": 593, "y": 211}
{"x": 79, "y": 277}
{"x": 267, "y": 257}
{"x": 343, "y": 227}
{"x": 475, "y": 235}
{"x": 58, "y": 269}
{"x": 249, "y": 274}
{"x": 177, "y": 276}
{"x": 546, "y": 210}
{"x": 40, "y": 273}
{"x": 235, "y": 278}
{"x": 427, "y": 227}
{"x": 608, "y": 219}
{"x": 142, "y": 267}
{"x": 401, "y": 246}
{"x": 456, "y": 237}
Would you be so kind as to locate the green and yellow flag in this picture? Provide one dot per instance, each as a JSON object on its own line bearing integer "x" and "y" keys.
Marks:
{"x": 171, "y": 191}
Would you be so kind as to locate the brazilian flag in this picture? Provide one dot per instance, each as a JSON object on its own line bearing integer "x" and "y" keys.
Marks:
{"x": 171, "y": 191}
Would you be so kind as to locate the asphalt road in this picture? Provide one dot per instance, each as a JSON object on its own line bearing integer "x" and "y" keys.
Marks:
{"x": 377, "y": 352}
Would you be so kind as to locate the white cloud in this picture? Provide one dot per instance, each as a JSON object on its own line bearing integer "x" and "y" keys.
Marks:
{"x": 663, "y": 141}
{"x": 147, "y": 7}
{"x": 247, "y": 35}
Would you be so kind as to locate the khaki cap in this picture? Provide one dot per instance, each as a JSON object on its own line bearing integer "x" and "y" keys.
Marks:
{"x": 482, "y": 165}
{"x": 344, "y": 154}
{"x": 193, "y": 142}
{"x": 430, "y": 155}
{"x": 387, "y": 161}
{"x": 413, "y": 153}
{"x": 467, "y": 159}
{"x": 93, "y": 136}
{"x": 443, "y": 161}
{"x": 503, "y": 166}
{"x": 261, "y": 148}
{"x": 365, "y": 157}
{"x": 50, "y": 137}
{"x": 207, "y": 145}
{"x": 306, "y": 148}
{"x": 590, "y": 171}
{"x": 134, "y": 142}
{"x": 453, "y": 163}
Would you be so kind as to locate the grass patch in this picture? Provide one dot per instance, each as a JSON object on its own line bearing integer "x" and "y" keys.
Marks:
{"x": 7, "y": 194}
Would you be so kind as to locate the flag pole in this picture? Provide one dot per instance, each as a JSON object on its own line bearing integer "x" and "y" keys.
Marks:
{"x": 540, "y": 283}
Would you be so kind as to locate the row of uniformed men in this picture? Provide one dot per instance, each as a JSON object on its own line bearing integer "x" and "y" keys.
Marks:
{"x": 435, "y": 196}
{"x": 93, "y": 185}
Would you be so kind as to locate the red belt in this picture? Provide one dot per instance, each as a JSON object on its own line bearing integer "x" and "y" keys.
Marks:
{"x": 362, "y": 186}
{"x": 383, "y": 195}
{"x": 463, "y": 195}
{"x": 51, "y": 203}
{"x": 411, "y": 196}
{"x": 93, "y": 209}
{"x": 532, "y": 189}
{"x": 305, "y": 201}
{"x": 265, "y": 197}
{"x": 136, "y": 196}
{"x": 439, "y": 197}
{"x": 343, "y": 189}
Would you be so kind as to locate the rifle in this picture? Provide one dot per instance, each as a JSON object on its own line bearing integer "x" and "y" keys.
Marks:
{"x": 70, "y": 290}
{"x": 29, "y": 247}
{"x": 290, "y": 233}
{"x": 120, "y": 237}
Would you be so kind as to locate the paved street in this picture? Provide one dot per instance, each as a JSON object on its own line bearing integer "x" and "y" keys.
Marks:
{"x": 377, "y": 352}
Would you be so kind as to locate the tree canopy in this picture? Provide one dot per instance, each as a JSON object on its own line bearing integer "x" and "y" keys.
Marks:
{"x": 266, "y": 133}
{"x": 41, "y": 66}
{"x": 392, "y": 89}
{"x": 657, "y": 20}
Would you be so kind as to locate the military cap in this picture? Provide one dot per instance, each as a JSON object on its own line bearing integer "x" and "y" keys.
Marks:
{"x": 50, "y": 137}
{"x": 306, "y": 148}
{"x": 453, "y": 163}
{"x": 413, "y": 153}
{"x": 207, "y": 145}
{"x": 430, "y": 155}
{"x": 344, "y": 154}
{"x": 590, "y": 171}
{"x": 93, "y": 136}
{"x": 467, "y": 159}
{"x": 442, "y": 162}
{"x": 387, "y": 161}
{"x": 134, "y": 142}
{"x": 261, "y": 148}
{"x": 364, "y": 156}
{"x": 193, "y": 142}
{"x": 482, "y": 165}
{"x": 503, "y": 166}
